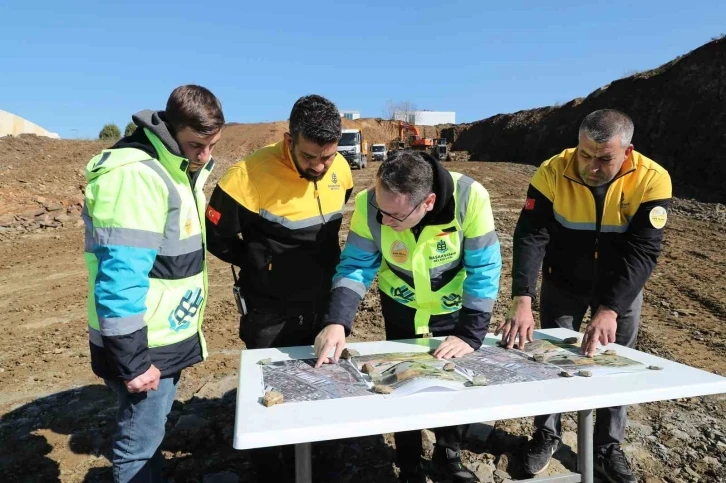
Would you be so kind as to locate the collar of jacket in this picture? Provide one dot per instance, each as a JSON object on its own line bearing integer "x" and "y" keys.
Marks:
{"x": 444, "y": 210}
{"x": 571, "y": 173}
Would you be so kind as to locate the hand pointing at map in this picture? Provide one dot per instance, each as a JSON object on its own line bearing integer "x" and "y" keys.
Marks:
{"x": 603, "y": 329}
{"x": 331, "y": 337}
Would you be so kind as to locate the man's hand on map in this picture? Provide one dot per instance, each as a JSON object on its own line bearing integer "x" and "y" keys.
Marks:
{"x": 518, "y": 324}
{"x": 331, "y": 337}
{"x": 602, "y": 329}
{"x": 452, "y": 347}
{"x": 148, "y": 381}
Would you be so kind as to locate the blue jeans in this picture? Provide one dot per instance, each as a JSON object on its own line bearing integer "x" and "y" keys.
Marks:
{"x": 140, "y": 422}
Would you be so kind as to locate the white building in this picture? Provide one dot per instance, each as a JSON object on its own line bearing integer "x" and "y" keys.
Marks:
{"x": 13, "y": 125}
{"x": 426, "y": 118}
{"x": 351, "y": 115}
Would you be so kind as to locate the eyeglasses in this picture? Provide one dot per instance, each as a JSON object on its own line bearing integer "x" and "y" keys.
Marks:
{"x": 400, "y": 220}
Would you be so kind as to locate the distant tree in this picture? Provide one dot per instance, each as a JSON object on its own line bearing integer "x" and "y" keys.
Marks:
{"x": 130, "y": 128}
{"x": 401, "y": 111}
{"x": 110, "y": 131}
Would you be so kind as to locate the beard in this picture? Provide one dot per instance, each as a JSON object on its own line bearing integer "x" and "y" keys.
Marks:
{"x": 308, "y": 174}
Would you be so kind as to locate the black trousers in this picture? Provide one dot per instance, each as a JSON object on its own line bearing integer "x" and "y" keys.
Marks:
{"x": 263, "y": 329}
{"x": 266, "y": 328}
{"x": 398, "y": 320}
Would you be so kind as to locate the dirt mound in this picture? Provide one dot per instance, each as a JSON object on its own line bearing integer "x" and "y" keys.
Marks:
{"x": 679, "y": 116}
{"x": 239, "y": 140}
{"x": 42, "y": 180}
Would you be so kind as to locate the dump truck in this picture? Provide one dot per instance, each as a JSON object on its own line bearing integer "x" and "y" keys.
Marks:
{"x": 354, "y": 148}
{"x": 379, "y": 152}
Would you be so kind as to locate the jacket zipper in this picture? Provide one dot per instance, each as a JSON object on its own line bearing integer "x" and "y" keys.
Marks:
{"x": 598, "y": 221}
{"x": 317, "y": 197}
{"x": 322, "y": 218}
{"x": 191, "y": 184}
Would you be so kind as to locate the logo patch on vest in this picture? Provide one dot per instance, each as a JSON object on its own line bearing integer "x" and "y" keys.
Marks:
{"x": 443, "y": 253}
{"x": 188, "y": 227}
{"x": 403, "y": 294}
{"x": 181, "y": 317}
{"x": 658, "y": 217}
{"x": 399, "y": 252}
{"x": 451, "y": 301}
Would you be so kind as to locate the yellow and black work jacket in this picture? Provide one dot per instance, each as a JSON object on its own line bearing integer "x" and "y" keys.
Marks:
{"x": 279, "y": 228}
{"x": 603, "y": 241}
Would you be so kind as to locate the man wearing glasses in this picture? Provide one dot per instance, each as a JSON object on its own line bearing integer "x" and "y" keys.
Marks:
{"x": 431, "y": 235}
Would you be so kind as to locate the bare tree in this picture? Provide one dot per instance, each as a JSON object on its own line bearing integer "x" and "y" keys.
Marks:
{"x": 401, "y": 111}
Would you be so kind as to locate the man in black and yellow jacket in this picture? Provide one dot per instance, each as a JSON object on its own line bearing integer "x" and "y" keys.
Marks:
{"x": 593, "y": 220}
{"x": 276, "y": 215}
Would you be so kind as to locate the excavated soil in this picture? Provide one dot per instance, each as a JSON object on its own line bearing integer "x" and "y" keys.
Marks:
{"x": 56, "y": 417}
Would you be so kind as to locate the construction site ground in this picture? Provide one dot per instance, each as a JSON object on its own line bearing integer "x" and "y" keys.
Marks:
{"x": 56, "y": 417}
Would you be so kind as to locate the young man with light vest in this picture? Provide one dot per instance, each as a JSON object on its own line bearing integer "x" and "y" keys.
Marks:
{"x": 593, "y": 221}
{"x": 430, "y": 236}
{"x": 144, "y": 249}
{"x": 276, "y": 215}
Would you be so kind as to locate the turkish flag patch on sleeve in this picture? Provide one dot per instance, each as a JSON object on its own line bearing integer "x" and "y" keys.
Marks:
{"x": 529, "y": 204}
{"x": 213, "y": 215}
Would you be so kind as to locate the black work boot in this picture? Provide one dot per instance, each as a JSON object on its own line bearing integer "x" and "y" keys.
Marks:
{"x": 450, "y": 460}
{"x": 539, "y": 451}
{"x": 612, "y": 465}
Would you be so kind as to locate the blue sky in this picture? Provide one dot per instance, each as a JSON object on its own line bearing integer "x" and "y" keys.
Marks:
{"x": 72, "y": 66}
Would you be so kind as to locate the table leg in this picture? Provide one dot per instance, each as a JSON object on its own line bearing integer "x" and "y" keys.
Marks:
{"x": 584, "y": 446}
{"x": 303, "y": 463}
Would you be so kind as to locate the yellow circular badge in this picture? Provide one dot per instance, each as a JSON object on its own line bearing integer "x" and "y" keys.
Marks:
{"x": 658, "y": 217}
{"x": 399, "y": 252}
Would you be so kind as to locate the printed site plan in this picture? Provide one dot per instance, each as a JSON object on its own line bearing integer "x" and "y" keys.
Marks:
{"x": 405, "y": 373}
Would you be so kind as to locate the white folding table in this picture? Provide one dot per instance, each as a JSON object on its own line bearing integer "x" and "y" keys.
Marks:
{"x": 302, "y": 423}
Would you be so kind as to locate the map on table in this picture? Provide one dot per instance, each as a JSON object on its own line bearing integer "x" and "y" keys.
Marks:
{"x": 410, "y": 372}
{"x": 567, "y": 357}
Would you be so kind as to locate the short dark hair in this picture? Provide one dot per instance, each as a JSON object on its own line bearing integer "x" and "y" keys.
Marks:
{"x": 194, "y": 107}
{"x": 408, "y": 173}
{"x": 601, "y": 126}
{"x": 317, "y": 119}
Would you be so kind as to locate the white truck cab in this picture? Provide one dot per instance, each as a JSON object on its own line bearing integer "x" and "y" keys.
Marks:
{"x": 379, "y": 152}
{"x": 353, "y": 148}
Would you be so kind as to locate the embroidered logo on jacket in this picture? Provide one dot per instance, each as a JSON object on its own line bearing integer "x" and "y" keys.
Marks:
{"x": 181, "y": 317}
{"x": 451, "y": 301}
{"x": 403, "y": 294}
{"x": 623, "y": 204}
{"x": 441, "y": 246}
